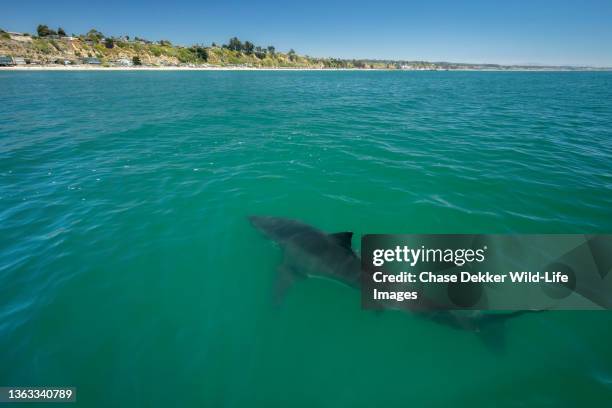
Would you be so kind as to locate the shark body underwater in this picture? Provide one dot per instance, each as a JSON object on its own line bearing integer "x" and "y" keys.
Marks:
{"x": 310, "y": 252}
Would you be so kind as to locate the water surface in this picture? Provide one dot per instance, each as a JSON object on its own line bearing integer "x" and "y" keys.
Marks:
{"x": 129, "y": 270}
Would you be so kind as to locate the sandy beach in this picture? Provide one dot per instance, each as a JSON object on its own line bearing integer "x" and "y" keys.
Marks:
{"x": 235, "y": 68}
{"x": 165, "y": 68}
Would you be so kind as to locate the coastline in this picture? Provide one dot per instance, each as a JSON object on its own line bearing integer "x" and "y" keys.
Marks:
{"x": 235, "y": 68}
{"x": 172, "y": 68}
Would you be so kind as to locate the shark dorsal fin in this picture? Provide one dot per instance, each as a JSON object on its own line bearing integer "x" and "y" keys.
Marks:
{"x": 342, "y": 238}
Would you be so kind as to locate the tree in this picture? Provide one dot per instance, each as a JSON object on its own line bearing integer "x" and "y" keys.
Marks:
{"x": 248, "y": 47}
{"x": 165, "y": 43}
{"x": 260, "y": 52}
{"x": 109, "y": 43}
{"x": 235, "y": 44}
{"x": 200, "y": 52}
{"x": 292, "y": 55}
{"x": 44, "y": 31}
{"x": 271, "y": 49}
{"x": 60, "y": 31}
{"x": 214, "y": 45}
{"x": 136, "y": 60}
{"x": 94, "y": 35}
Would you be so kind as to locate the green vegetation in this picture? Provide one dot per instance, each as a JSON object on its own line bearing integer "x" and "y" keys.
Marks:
{"x": 50, "y": 46}
{"x": 44, "y": 31}
{"x": 93, "y": 35}
{"x": 43, "y": 46}
{"x": 200, "y": 53}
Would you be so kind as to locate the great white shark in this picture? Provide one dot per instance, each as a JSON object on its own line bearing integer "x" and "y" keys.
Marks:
{"x": 310, "y": 252}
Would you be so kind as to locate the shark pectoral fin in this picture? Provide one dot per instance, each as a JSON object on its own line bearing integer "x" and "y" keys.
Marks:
{"x": 343, "y": 239}
{"x": 284, "y": 280}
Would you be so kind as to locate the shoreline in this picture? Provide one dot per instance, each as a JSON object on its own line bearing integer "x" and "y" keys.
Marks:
{"x": 171, "y": 68}
{"x": 229, "y": 68}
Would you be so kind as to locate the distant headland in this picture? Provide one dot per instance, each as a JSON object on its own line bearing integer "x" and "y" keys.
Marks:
{"x": 54, "y": 49}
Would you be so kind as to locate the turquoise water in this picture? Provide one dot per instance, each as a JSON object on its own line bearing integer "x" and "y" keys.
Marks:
{"x": 129, "y": 270}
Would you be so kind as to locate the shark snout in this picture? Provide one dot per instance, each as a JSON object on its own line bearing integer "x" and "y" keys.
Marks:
{"x": 263, "y": 223}
{"x": 276, "y": 228}
{"x": 256, "y": 220}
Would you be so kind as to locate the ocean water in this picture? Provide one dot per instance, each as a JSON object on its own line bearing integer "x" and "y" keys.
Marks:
{"x": 128, "y": 268}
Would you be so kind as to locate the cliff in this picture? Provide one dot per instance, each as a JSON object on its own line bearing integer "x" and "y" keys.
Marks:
{"x": 54, "y": 49}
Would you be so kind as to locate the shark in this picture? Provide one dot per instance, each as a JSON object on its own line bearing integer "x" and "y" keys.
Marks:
{"x": 309, "y": 252}
{"x": 312, "y": 253}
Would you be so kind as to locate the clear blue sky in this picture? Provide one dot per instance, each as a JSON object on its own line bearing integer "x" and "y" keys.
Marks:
{"x": 510, "y": 31}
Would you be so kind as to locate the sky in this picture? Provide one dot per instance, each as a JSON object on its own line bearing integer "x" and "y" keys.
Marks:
{"x": 556, "y": 32}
